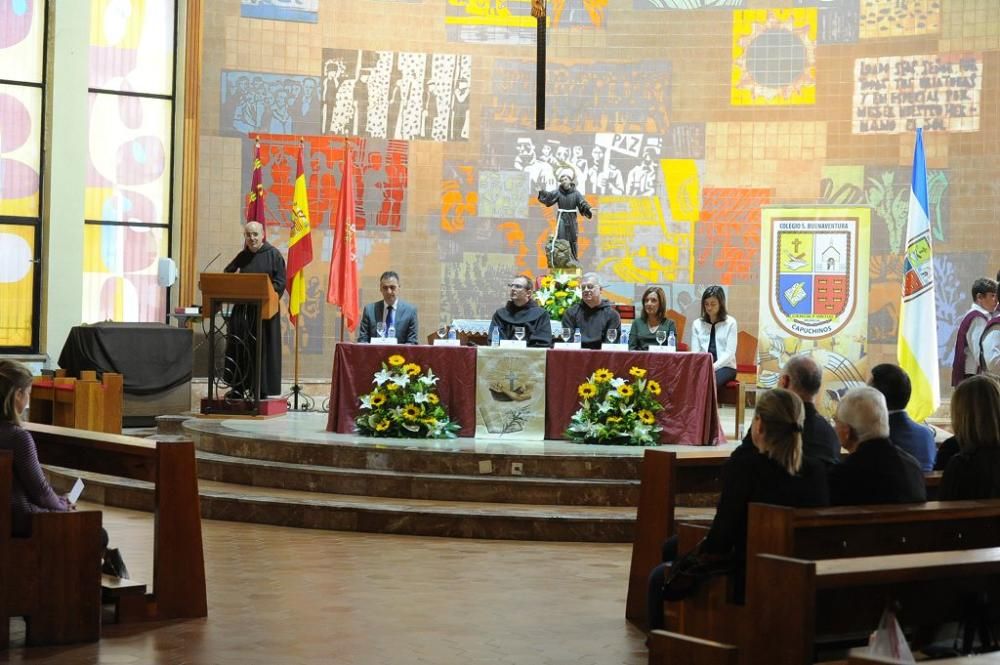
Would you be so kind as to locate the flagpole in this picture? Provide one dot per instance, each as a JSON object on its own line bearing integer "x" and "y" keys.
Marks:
{"x": 296, "y": 388}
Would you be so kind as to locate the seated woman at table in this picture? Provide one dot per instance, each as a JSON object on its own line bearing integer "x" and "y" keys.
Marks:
{"x": 30, "y": 491}
{"x": 780, "y": 475}
{"x": 652, "y": 320}
{"x": 716, "y": 333}
{"x": 974, "y": 471}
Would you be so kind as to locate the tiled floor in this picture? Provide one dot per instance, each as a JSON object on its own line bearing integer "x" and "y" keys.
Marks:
{"x": 287, "y": 596}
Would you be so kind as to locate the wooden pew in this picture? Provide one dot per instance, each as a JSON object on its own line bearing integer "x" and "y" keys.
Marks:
{"x": 178, "y": 558}
{"x": 660, "y": 485}
{"x": 832, "y": 533}
{"x": 666, "y": 648}
{"x": 52, "y": 577}
{"x": 794, "y": 601}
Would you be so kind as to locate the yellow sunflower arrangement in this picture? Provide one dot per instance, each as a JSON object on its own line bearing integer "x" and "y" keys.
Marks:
{"x": 556, "y": 297}
{"x": 404, "y": 404}
{"x": 614, "y": 410}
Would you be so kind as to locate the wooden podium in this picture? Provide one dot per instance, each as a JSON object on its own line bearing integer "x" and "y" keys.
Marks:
{"x": 254, "y": 290}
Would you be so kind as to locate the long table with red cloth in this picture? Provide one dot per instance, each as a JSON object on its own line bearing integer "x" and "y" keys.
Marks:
{"x": 690, "y": 412}
{"x": 354, "y": 365}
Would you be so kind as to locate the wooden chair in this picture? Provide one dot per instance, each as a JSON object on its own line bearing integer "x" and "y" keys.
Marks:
{"x": 51, "y": 577}
{"x": 83, "y": 403}
{"x": 733, "y": 393}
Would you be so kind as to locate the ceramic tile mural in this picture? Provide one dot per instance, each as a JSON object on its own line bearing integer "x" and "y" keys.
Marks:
{"x": 774, "y": 57}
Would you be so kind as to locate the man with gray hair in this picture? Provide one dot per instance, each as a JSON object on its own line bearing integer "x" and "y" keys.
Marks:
{"x": 804, "y": 377}
{"x": 876, "y": 471}
{"x": 593, "y": 316}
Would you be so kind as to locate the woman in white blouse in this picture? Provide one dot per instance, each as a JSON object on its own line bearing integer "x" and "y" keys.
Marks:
{"x": 715, "y": 332}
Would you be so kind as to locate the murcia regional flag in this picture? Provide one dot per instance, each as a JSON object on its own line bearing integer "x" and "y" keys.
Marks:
{"x": 917, "y": 347}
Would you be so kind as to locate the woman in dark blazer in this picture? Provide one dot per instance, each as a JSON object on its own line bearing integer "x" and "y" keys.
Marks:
{"x": 974, "y": 472}
{"x": 777, "y": 473}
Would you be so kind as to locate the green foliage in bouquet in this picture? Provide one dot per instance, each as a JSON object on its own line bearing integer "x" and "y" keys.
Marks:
{"x": 556, "y": 296}
{"x": 614, "y": 411}
{"x": 404, "y": 404}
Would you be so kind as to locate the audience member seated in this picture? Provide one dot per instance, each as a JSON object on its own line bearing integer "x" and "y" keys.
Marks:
{"x": 974, "y": 472}
{"x": 30, "y": 491}
{"x": 652, "y": 320}
{"x": 522, "y": 311}
{"x": 593, "y": 316}
{"x": 918, "y": 440}
{"x": 716, "y": 332}
{"x": 967, "y": 359}
{"x": 804, "y": 377}
{"x": 876, "y": 471}
{"x": 779, "y": 475}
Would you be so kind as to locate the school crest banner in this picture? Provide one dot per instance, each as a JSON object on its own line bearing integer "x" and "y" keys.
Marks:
{"x": 510, "y": 393}
{"x": 814, "y": 294}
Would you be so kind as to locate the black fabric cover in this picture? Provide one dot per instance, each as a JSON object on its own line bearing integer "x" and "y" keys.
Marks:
{"x": 151, "y": 357}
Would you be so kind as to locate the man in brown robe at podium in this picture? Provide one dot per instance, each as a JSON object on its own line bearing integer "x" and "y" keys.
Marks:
{"x": 258, "y": 256}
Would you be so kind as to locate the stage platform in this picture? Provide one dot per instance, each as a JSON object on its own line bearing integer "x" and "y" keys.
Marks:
{"x": 290, "y": 471}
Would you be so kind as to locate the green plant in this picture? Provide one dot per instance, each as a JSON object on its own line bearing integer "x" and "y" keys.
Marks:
{"x": 612, "y": 410}
{"x": 404, "y": 404}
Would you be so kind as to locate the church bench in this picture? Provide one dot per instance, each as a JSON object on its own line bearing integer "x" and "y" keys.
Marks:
{"x": 660, "y": 483}
{"x": 178, "y": 557}
{"x": 52, "y": 576}
{"x": 83, "y": 403}
{"x": 794, "y": 602}
{"x": 831, "y": 533}
{"x": 667, "y": 648}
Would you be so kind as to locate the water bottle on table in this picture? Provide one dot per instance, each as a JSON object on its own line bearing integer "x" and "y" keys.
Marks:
{"x": 391, "y": 332}
{"x": 672, "y": 341}
{"x": 495, "y": 337}
{"x": 576, "y": 335}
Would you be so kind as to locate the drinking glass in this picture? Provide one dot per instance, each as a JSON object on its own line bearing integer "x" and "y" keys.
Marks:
{"x": 661, "y": 336}
{"x": 566, "y": 333}
{"x": 612, "y": 335}
{"x": 519, "y": 333}
{"x": 380, "y": 328}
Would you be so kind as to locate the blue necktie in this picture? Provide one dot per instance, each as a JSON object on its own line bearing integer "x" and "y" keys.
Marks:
{"x": 388, "y": 318}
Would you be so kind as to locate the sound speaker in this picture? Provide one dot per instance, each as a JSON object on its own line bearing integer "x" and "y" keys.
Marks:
{"x": 166, "y": 272}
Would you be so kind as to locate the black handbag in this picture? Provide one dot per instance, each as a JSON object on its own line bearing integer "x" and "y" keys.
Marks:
{"x": 693, "y": 568}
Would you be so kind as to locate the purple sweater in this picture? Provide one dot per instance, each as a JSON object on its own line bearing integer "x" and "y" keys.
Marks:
{"x": 30, "y": 490}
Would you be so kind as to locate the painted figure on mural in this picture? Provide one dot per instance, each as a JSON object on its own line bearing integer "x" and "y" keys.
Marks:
{"x": 539, "y": 172}
{"x": 605, "y": 177}
{"x": 568, "y": 201}
{"x": 642, "y": 177}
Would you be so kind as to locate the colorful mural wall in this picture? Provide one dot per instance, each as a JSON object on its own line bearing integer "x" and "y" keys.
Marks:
{"x": 680, "y": 121}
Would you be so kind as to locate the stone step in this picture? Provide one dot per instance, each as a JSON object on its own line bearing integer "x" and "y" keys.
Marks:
{"x": 455, "y": 519}
{"x": 407, "y": 485}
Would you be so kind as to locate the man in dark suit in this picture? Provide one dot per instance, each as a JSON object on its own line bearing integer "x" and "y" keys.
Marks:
{"x": 802, "y": 376}
{"x": 916, "y": 439}
{"x": 876, "y": 471}
{"x": 391, "y": 311}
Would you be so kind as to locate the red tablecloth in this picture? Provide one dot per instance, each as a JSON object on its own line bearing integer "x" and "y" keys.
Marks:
{"x": 354, "y": 365}
{"x": 690, "y": 409}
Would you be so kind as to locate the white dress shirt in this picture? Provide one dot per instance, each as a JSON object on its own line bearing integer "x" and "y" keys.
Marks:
{"x": 973, "y": 336}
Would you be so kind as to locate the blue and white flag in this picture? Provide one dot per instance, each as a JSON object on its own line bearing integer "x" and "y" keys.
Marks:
{"x": 917, "y": 347}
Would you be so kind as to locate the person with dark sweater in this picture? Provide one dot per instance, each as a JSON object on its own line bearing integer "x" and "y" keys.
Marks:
{"x": 804, "y": 377}
{"x": 876, "y": 471}
{"x": 916, "y": 439}
{"x": 521, "y": 311}
{"x": 974, "y": 472}
{"x": 779, "y": 475}
{"x": 593, "y": 315}
{"x": 652, "y": 320}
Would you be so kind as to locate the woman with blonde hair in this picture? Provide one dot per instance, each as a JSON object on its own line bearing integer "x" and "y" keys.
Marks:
{"x": 777, "y": 473}
{"x": 974, "y": 472}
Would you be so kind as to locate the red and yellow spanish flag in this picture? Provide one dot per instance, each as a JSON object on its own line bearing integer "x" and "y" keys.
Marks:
{"x": 342, "y": 287}
{"x": 300, "y": 250}
{"x": 255, "y": 197}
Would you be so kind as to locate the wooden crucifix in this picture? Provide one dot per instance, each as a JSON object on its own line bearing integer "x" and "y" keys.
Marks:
{"x": 538, "y": 11}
